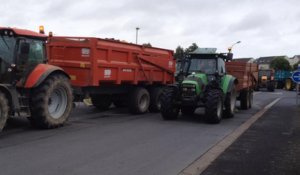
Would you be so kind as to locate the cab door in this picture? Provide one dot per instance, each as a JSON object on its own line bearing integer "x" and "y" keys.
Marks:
{"x": 30, "y": 53}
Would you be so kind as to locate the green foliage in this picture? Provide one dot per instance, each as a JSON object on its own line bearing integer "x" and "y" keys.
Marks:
{"x": 180, "y": 52}
{"x": 147, "y": 45}
{"x": 280, "y": 63}
{"x": 191, "y": 48}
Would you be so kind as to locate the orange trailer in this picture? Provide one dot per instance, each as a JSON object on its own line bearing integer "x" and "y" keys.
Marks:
{"x": 109, "y": 71}
{"x": 247, "y": 76}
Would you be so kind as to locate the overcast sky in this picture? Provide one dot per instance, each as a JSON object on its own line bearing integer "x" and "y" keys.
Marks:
{"x": 265, "y": 27}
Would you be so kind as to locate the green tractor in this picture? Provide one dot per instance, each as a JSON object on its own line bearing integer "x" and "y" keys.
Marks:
{"x": 203, "y": 83}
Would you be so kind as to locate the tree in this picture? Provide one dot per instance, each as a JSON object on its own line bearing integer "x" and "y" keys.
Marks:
{"x": 280, "y": 63}
{"x": 147, "y": 45}
{"x": 179, "y": 53}
{"x": 191, "y": 48}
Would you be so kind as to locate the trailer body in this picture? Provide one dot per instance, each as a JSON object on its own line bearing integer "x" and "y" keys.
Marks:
{"x": 112, "y": 71}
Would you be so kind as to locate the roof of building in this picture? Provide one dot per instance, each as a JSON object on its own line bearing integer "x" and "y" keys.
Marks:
{"x": 268, "y": 59}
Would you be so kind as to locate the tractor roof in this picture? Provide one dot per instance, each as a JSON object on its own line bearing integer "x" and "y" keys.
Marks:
{"x": 205, "y": 51}
{"x": 24, "y": 32}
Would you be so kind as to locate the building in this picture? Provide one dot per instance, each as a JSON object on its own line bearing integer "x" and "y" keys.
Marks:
{"x": 247, "y": 60}
{"x": 264, "y": 62}
{"x": 293, "y": 60}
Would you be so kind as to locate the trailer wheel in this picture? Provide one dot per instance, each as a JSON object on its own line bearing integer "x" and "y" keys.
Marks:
{"x": 188, "y": 110}
{"x": 101, "y": 102}
{"x": 139, "y": 101}
{"x": 244, "y": 97}
{"x": 51, "y": 102}
{"x": 3, "y": 110}
{"x": 230, "y": 101}
{"x": 169, "y": 110}
{"x": 250, "y": 98}
{"x": 155, "y": 103}
{"x": 214, "y": 106}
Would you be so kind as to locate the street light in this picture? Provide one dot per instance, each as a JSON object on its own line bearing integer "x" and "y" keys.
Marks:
{"x": 136, "y": 36}
{"x": 230, "y": 48}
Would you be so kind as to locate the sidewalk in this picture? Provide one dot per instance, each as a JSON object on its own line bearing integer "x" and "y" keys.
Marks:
{"x": 269, "y": 146}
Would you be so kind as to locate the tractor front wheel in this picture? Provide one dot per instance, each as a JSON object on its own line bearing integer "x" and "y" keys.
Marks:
{"x": 214, "y": 106}
{"x": 169, "y": 110}
{"x": 3, "y": 110}
{"x": 51, "y": 102}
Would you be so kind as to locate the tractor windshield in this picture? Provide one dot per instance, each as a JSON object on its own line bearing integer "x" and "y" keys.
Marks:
{"x": 7, "y": 46}
{"x": 207, "y": 66}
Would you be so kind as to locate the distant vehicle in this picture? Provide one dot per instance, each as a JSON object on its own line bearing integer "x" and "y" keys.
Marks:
{"x": 266, "y": 79}
{"x": 283, "y": 80}
{"x": 28, "y": 85}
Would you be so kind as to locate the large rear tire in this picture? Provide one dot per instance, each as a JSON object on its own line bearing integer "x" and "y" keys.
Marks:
{"x": 230, "y": 101}
{"x": 101, "y": 102}
{"x": 4, "y": 108}
{"x": 289, "y": 84}
{"x": 155, "y": 103}
{"x": 169, "y": 110}
{"x": 139, "y": 101}
{"x": 214, "y": 106}
{"x": 51, "y": 102}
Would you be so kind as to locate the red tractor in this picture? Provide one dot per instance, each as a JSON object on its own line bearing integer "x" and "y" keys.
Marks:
{"x": 28, "y": 85}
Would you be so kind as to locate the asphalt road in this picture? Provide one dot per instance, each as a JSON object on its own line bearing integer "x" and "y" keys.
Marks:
{"x": 270, "y": 146}
{"x": 114, "y": 142}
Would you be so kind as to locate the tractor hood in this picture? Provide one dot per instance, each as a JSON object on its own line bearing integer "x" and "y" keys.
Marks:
{"x": 196, "y": 80}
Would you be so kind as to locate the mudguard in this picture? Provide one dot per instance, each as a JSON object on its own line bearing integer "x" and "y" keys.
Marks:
{"x": 228, "y": 82}
{"x": 40, "y": 73}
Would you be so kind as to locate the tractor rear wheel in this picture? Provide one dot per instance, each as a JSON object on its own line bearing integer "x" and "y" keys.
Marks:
{"x": 101, "y": 102}
{"x": 230, "y": 101}
{"x": 289, "y": 84}
{"x": 3, "y": 110}
{"x": 51, "y": 102}
{"x": 214, "y": 106}
{"x": 139, "y": 101}
{"x": 169, "y": 110}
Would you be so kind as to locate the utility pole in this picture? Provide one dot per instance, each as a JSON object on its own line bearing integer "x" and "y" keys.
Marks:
{"x": 136, "y": 36}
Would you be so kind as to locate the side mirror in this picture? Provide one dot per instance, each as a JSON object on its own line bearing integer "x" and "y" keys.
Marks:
{"x": 24, "y": 47}
{"x": 229, "y": 56}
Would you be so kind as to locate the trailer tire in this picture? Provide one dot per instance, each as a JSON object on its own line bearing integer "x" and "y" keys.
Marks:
{"x": 250, "y": 98}
{"x": 139, "y": 101}
{"x": 214, "y": 106}
{"x": 188, "y": 110}
{"x": 169, "y": 111}
{"x": 4, "y": 108}
{"x": 244, "y": 97}
{"x": 101, "y": 102}
{"x": 155, "y": 103}
{"x": 229, "y": 104}
{"x": 51, "y": 102}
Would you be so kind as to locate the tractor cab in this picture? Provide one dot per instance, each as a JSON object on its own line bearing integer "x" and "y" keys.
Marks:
{"x": 20, "y": 52}
{"x": 206, "y": 61}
